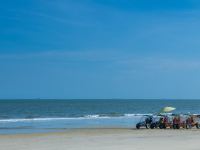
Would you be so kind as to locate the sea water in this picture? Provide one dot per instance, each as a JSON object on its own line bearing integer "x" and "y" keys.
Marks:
{"x": 35, "y": 115}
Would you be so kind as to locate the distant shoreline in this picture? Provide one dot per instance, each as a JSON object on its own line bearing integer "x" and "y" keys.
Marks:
{"x": 163, "y": 99}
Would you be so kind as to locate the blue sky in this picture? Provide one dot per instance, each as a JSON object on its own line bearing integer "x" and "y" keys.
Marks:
{"x": 100, "y": 49}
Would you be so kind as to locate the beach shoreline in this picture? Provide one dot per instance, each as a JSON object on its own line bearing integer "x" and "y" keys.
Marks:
{"x": 104, "y": 139}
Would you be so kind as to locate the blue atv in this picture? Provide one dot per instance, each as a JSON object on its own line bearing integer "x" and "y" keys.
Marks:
{"x": 145, "y": 121}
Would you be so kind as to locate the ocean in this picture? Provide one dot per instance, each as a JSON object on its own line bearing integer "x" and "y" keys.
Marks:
{"x": 36, "y": 115}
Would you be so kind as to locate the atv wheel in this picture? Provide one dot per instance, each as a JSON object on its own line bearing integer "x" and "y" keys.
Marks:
{"x": 174, "y": 126}
{"x": 148, "y": 126}
{"x": 188, "y": 126}
{"x": 161, "y": 126}
{"x": 198, "y": 126}
{"x": 177, "y": 126}
{"x": 164, "y": 126}
{"x": 137, "y": 126}
{"x": 152, "y": 126}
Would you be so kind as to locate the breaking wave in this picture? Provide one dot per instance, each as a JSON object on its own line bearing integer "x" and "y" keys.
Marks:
{"x": 96, "y": 116}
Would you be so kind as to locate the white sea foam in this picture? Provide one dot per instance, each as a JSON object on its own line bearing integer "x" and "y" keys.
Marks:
{"x": 133, "y": 115}
{"x": 91, "y": 116}
{"x": 95, "y": 116}
{"x": 33, "y": 119}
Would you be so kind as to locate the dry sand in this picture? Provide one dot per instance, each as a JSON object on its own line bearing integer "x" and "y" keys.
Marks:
{"x": 105, "y": 139}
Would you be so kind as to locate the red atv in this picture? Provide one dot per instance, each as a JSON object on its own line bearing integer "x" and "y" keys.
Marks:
{"x": 176, "y": 122}
{"x": 165, "y": 122}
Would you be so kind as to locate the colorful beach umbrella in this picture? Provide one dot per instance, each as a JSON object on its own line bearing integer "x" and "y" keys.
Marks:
{"x": 167, "y": 109}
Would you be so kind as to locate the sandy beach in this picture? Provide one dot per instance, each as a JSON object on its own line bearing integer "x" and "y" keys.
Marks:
{"x": 104, "y": 139}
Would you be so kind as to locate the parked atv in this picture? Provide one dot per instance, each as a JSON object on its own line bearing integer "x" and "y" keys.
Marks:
{"x": 155, "y": 122}
{"x": 193, "y": 121}
{"x": 165, "y": 122}
{"x": 183, "y": 120}
{"x": 176, "y": 122}
{"x": 145, "y": 121}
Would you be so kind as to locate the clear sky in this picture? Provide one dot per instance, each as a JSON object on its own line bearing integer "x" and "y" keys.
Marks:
{"x": 100, "y": 49}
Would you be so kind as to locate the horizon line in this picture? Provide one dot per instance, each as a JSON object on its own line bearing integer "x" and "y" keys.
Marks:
{"x": 99, "y": 99}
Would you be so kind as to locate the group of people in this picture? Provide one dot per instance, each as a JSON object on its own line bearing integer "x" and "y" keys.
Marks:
{"x": 178, "y": 121}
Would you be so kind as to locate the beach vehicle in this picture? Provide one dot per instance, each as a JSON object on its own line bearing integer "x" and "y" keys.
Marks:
{"x": 186, "y": 121}
{"x": 176, "y": 122}
{"x": 145, "y": 121}
{"x": 165, "y": 121}
{"x": 166, "y": 118}
{"x": 155, "y": 121}
{"x": 180, "y": 121}
{"x": 193, "y": 121}
{"x": 183, "y": 120}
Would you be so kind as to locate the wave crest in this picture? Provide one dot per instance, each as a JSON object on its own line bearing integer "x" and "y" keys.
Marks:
{"x": 95, "y": 116}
